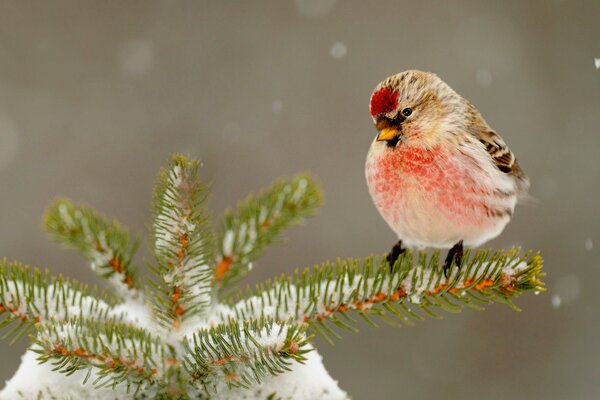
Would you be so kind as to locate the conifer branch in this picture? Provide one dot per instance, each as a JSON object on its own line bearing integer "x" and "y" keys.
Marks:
{"x": 111, "y": 352}
{"x": 370, "y": 288}
{"x": 184, "y": 246}
{"x": 106, "y": 244}
{"x": 31, "y": 297}
{"x": 258, "y": 220}
{"x": 197, "y": 346}
{"x": 241, "y": 355}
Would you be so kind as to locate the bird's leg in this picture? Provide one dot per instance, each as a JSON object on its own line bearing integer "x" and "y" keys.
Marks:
{"x": 393, "y": 255}
{"x": 455, "y": 255}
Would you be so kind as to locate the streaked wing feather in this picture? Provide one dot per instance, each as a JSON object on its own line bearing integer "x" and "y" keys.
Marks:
{"x": 504, "y": 159}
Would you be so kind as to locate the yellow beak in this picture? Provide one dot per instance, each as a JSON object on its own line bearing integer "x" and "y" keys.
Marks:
{"x": 388, "y": 134}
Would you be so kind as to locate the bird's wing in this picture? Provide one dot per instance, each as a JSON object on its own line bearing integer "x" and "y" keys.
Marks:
{"x": 504, "y": 159}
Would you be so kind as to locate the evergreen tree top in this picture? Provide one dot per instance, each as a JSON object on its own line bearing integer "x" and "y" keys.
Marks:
{"x": 188, "y": 332}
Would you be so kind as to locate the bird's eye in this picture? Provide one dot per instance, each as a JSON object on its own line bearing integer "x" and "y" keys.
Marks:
{"x": 407, "y": 112}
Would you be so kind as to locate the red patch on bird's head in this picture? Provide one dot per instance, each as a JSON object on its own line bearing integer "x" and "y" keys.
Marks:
{"x": 384, "y": 100}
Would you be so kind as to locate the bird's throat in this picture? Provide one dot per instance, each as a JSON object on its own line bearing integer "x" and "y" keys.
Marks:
{"x": 393, "y": 142}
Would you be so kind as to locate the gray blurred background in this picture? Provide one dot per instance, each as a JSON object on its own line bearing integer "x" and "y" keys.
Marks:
{"x": 94, "y": 96}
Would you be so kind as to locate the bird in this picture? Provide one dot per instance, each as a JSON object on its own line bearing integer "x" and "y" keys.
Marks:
{"x": 438, "y": 174}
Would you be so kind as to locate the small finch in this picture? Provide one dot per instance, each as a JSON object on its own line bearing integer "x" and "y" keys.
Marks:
{"x": 437, "y": 172}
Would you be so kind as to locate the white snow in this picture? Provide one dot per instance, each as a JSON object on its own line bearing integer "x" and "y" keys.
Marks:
{"x": 338, "y": 50}
{"x": 277, "y": 106}
{"x": 31, "y": 379}
{"x": 136, "y": 312}
{"x": 135, "y": 57}
{"x": 589, "y": 244}
{"x": 251, "y": 240}
{"x": 228, "y": 242}
{"x": 568, "y": 288}
{"x": 514, "y": 268}
{"x": 597, "y": 62}
{"x": 307, "y": 381}
{"x": 420, "y": 285}
{"x": 300, "y": 190}
{"x": 75, "y": 302}
{"x": 279, "y": 204}
{"x": 65, "y": 216}
{"x": 262, "y": 216}
{"x": 556, "y": 301}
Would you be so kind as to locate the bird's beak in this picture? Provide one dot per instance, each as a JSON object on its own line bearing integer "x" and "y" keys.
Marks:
{"x": 388, "y": 133}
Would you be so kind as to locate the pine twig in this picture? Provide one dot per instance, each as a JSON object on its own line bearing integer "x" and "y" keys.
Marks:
{"x": 258, "y": 221}
{"x": 105, "y": 244}
{"x": 368, "y": 287}
{"x": 31, "y": 297}
{"x": 241, "y": 355}
{"x": 183, "y": 244}
{"x": 111, "y": 352}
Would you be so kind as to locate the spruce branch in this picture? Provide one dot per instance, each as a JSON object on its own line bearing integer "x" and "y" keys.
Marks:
{"x": 183, "y": 243}
{"x": 31, "y": 297}
{"x": 112, "y": 352}
{"x": 106, "y": 244}
{"x": 189, "y": 343}
{"x": 370, "y": 288}
{"x": 241, "y": 355}
{"x": 257, "y": 222}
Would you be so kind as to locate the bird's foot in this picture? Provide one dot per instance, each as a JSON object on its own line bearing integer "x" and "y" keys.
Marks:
{"x": 455, "y": 255}
{"x": 393, "y": 255}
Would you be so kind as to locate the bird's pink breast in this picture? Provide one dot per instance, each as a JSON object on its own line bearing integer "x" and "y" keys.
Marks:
{"x": 410, "y": 182}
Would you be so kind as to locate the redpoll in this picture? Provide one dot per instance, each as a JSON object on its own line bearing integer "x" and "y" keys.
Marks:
{"x": 437, "y": 172}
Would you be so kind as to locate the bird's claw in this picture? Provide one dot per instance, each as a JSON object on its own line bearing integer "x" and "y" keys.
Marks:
{"x": 455, "y": 255}
{"x": 393, "y": 255}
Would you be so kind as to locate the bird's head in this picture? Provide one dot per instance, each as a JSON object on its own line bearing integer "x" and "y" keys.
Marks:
{"x": 414, "y": 107}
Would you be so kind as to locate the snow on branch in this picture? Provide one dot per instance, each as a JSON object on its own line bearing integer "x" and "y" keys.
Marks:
{"x": 106, "y": 244}
{"x": 258, "y": 220}
{"x": 30, "y": 297}
{"x": 370, "y": 287}
{"x": 111, "y": 352}
{"x": 188, "y": 342}
{"x": 241, "y": 355}
{"x": 183, "y": 243}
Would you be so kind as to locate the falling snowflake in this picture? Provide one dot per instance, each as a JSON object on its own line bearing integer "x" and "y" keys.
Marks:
{"x": 135, "y": 57}
{"x": 567, "y": 289}
{"x": 277, "y": 106}
{"x": 589, "y": 244}
{"x": 597, "y": 62}
{"x": 338, "y": 50}
{"x": 556, "y": 300}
